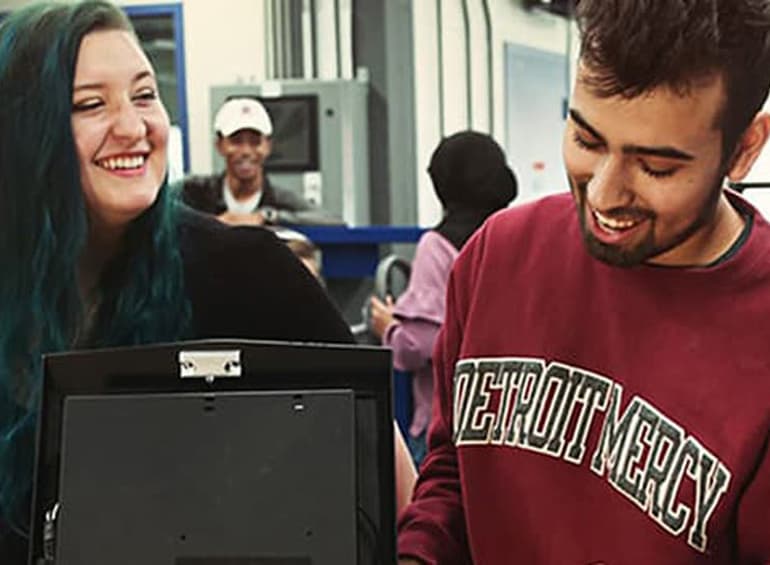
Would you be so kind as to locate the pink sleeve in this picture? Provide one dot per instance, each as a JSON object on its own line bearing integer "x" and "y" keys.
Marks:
{"x": 419, "y": 311}
{"x": 412, "y": 342}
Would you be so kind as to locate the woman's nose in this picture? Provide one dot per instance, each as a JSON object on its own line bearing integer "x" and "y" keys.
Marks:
{"x": 128, "y": 123}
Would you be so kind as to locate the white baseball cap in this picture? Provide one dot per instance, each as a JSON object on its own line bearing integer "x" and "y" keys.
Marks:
{"x": 242, "y": 113}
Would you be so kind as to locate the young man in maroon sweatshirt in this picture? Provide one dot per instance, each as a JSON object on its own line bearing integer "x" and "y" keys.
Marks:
{"x": 603, "y": 374}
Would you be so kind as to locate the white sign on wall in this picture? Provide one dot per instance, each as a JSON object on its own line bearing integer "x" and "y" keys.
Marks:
{"x": 535, "y": 95}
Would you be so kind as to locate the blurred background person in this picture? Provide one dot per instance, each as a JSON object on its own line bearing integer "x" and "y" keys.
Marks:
{"x": 243, "y": 194}
{"x": 472, "y": 180}
{"x": 304, "y": 249}
{"x": 307, "y": 252}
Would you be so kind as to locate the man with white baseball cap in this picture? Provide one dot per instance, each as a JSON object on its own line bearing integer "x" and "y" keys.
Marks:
{"x": 243, "y": 195}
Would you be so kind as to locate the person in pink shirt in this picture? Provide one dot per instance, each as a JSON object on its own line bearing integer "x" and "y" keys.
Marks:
{"x": 472, "y": 180}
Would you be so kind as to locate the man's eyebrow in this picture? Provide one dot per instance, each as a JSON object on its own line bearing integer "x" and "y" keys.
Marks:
{"x": 666, "y": 152}
{"x": 583, "y": 123}
{"x": 99, "y": 85}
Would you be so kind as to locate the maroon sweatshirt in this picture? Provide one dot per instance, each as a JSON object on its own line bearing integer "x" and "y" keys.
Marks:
{"x": 589, "y": 414}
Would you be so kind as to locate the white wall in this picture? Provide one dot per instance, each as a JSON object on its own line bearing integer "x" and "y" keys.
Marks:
{"x": 428, "y": 115}
{"x": 224, "y": 44}
{"x": 510, "y": 23}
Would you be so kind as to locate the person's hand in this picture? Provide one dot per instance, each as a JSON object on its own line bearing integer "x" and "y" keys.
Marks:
{"x": 236, "y": 219}
{"x": 381, "y": 315}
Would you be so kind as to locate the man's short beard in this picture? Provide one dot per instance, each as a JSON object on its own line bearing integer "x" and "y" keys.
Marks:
{"x": 618, "y": 256}
{"x": 648, "y": 247}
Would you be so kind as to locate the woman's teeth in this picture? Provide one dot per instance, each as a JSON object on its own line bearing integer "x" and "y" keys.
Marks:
{"x": 114, "y": 163}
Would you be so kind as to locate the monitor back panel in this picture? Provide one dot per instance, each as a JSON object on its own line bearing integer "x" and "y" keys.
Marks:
{"x": 232, "y": 478}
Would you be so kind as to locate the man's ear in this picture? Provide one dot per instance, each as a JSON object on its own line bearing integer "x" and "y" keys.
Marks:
{"x": 749, "y": 147}
{"x": 218, "y": 144}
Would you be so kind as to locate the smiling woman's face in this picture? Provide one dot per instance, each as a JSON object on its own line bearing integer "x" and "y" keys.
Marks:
{"x": 120, "y": 128}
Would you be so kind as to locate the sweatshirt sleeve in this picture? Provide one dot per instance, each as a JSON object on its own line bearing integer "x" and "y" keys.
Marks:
{"x": 432, "y": 528}
{"x": 753, "y": 524}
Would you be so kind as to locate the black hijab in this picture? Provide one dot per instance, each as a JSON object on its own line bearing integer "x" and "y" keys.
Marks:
{"x": 472, "y": 180}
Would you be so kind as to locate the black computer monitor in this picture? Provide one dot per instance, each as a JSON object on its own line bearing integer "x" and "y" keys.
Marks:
{"x": 216, "y": 452}
{"x": 295, "y": 133}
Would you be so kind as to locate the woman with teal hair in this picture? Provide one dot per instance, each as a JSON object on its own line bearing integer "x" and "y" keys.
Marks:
{"x": 94, "y": 252}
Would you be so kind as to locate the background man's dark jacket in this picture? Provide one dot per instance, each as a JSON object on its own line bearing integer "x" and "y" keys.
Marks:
{"x": 204, "y": 193}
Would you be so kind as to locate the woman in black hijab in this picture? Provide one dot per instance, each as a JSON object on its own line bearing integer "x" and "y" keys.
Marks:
{"x": 472, "y": 180}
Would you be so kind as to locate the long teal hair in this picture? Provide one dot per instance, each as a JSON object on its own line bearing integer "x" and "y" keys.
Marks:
{"x": 43, "y": 230}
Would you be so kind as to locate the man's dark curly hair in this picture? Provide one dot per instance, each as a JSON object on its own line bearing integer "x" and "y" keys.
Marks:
{"x": 631, "y": 47}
